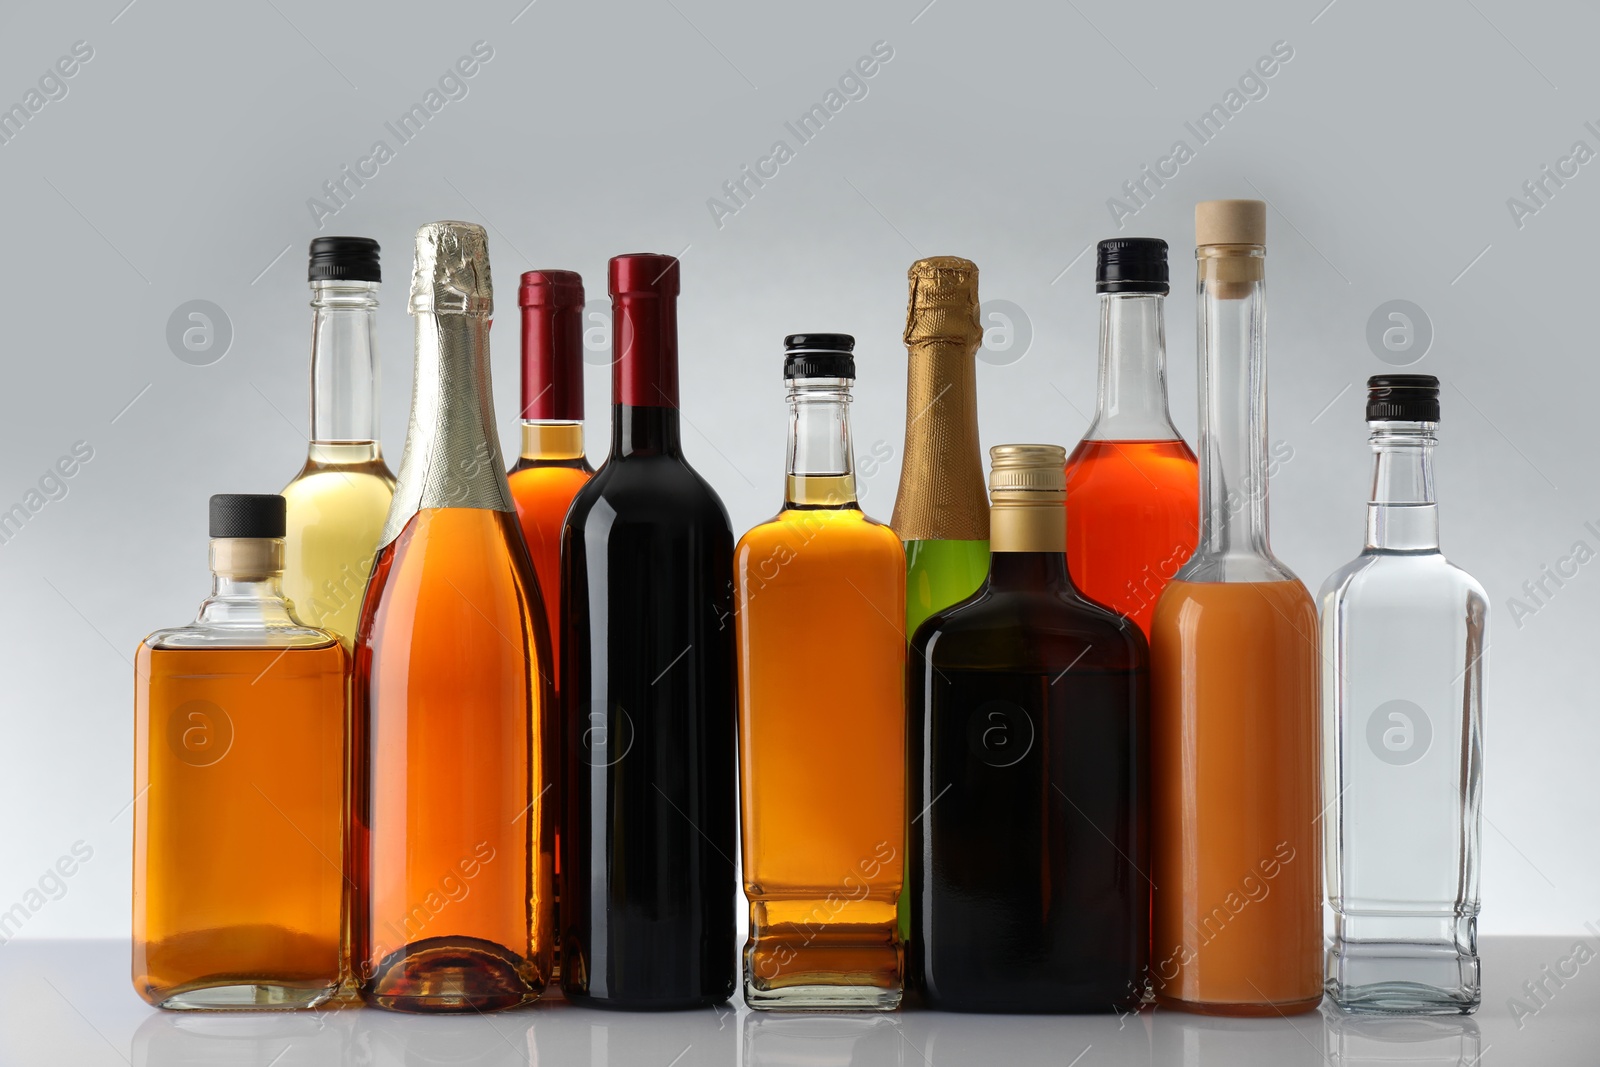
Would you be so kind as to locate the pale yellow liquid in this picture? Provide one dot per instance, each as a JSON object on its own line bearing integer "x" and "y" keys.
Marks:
{"x": 336, "y": 508}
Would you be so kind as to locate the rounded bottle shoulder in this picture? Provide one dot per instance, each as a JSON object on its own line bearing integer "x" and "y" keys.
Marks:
{"x": 635, "y": 490}
{"x": 1404, "y": 577}
{"x": 842, "y": 527}
{"x": 235, "y": 638}
{"x": 1036, "y": 619}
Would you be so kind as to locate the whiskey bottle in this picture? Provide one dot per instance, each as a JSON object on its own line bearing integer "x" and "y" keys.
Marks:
{"x": 239, "y": 776}
{"x": 452, "y": 852}
{"x": 821, "y": 752}
{"x": 1237, "y": 862}
{"x": 1404, "y": 637}
{"x": 1133, "y": 486}
{"x": 1029, "y": 776}
{"x": 338, "y": 501}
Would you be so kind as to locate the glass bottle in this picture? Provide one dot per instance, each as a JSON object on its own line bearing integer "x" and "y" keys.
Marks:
{"x": 940, "y": 511}
{"x": 338, "y": 501}
{"x": 821, "y": 737}
{"x": 452, "y": 685}
{"x": 1133, "y": 486}
{"x": 1404, "y": 633}
{"x": 648, "y": 690}
{"x": 1237, "y": 918}
{"x": 239, "y": 765}
{"x": 1029, "y": 776}
{"x": 548, "y": 475}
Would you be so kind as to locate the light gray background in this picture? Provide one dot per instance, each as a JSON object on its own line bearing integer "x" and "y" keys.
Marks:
{"x": 178, "y": 166}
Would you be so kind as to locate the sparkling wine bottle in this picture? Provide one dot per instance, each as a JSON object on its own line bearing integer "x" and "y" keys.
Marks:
{"x": 1404, "y": 637}
{"x": 453, "y": 837}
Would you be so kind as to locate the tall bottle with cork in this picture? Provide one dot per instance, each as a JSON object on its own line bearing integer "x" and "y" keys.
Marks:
{"x": 1237, "y": 917}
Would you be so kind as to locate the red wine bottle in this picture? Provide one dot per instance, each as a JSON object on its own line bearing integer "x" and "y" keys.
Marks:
{"x": 647, "y": 690}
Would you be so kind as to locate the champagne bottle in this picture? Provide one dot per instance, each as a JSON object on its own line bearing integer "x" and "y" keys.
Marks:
{"x": 453, "y": 687}
{"x": 941, "y": 512}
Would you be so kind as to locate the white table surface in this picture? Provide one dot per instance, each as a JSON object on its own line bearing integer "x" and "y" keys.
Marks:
{"x": 71, "y": 1003}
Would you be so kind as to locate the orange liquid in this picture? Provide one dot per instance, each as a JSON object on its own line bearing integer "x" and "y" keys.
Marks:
{"x": 453, "y": 832}
{"x": 543, "y": 493}
{"x": 1133, "y": 509}
{"x": 820, "y": 606}
{"x": 1237, "y": 859}
{"x": 238, "y": 881}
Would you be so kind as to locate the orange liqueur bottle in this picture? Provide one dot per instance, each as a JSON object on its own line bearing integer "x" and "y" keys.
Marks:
{"x": 239, "y": 765}
{"x": 1237, "y": 918}
{"x": 548, "y": 475}
{"x": 452, "y": 854}
{"x": 819, "y": 597}
{"x": 1133, "y": 488}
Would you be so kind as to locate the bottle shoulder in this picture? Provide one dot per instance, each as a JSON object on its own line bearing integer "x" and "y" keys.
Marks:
{"x": 842, "y": 528}
{"x": 651, "y": 490}
{"x": 1402, "y": 579}
{"x": 199, "y": 636}
{"x": 1042, "y": 624}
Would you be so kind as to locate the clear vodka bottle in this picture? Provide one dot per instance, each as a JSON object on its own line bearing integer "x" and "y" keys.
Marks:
{"x": 1403, "y": 643}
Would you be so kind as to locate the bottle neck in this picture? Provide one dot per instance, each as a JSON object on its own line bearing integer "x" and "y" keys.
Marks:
{"x": 551, "y": 440}
{"x": 1024, "y": 571}
{"x": 821, "y": 466}
{"x": 1133, "y": 370}
{"x": 246, "y": 584}
{"x": 1403, "y": 515}
{"x": 1027, "y": 540}
{"x": 644, "y": 376}
{"x": 941, "y": 495}
{"x": 344, "y": 362}
{"x": 1233, "y": 403}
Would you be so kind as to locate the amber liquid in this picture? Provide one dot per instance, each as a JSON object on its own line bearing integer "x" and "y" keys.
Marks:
{"x": 820, "y": 599}
{"x": 453, "y": 845}
{"x": 1133, "y": 510}
{"x": 238, "y": 881}
{"x": 1234, "y": 763}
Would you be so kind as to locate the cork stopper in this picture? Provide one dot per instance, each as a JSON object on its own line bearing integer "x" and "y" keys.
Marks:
{"x": 451, "y": 275}
{"x": 943, "y": 308}
{"x": 1230, "y": 222}
{"x": 1028, "y": 474}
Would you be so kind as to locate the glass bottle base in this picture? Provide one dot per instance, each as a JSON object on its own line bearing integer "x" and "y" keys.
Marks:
{"x": 1242, "y": 1010}
{"x": 249, "y": 996}
{"x": 445, "y": 975}
{"x": 1402, "y": 978}
{"x": 821, "y": 997}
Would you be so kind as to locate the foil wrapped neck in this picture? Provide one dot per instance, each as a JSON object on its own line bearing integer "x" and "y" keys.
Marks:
{"x": 451, "y": 275}
{"x": 943, "y": 306}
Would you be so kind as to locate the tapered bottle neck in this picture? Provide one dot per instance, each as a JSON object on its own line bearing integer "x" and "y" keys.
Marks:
{"x": 821, "y": 465}
{"x": 344, "y": 363}
{"x": 644, "y": 376}
{"x": 1233, "y": 407}
{"x": 246, "y": 584}
{"x": 1402, "y": 515}
{"x": 1132, "y": 404}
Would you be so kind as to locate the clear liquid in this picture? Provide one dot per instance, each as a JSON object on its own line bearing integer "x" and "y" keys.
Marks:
{"x": 1403, "y": 635}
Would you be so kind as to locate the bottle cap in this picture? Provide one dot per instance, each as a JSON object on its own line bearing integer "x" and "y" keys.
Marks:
{"x": 552, "y": 345}
{"x": 1037, "y": 471}
{"x": 1131, "y": 265}
{"x": 1402, "y": 398}
{"x": 451, "y": 273}
{"x": 819, "y": 355}
{"x": 1230, "y": 222}
{"x": 644, "y": 273}
{"x": 248, "y": 515}
{"x": 353, "y": 259}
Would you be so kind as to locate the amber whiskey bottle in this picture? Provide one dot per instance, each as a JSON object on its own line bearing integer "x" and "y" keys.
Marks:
{"x": 239, "y": 776}
{"x": 1029, "y": 776}
{"x": 452, "y": 853}
{"x": 821, "y": 751}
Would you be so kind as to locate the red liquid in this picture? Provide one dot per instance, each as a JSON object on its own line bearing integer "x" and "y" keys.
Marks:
{"x": 1133, "y": 511}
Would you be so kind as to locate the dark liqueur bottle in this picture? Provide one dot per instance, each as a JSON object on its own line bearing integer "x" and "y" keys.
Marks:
{"x": 647, "y": 691}
{"x": 1028, "y": 776}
